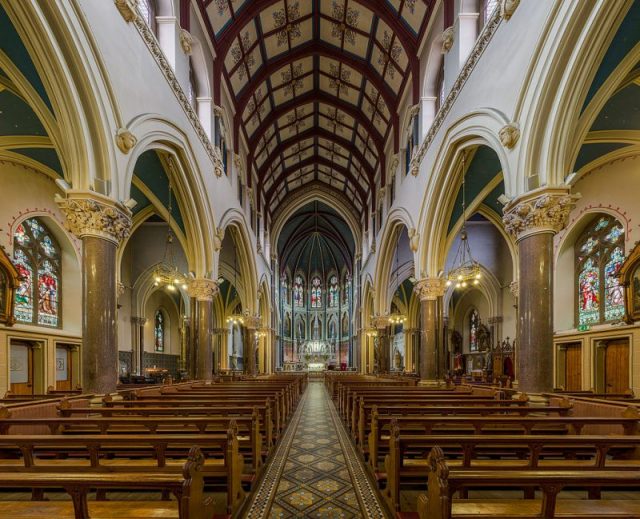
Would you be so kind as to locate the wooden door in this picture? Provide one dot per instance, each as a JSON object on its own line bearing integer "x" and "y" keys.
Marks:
{"x": 63, "y": 368}
{"x": 21, "y": 368}
{"x": 616, "y": 371}
{"x": 573, "y": 367}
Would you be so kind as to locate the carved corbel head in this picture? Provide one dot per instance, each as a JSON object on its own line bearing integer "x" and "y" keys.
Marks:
{"x": 125, "y": 140}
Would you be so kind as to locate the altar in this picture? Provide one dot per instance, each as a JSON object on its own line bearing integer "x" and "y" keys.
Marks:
{"x": 312, "y": 356}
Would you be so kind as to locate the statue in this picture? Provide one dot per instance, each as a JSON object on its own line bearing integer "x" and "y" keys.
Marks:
{"x": 484, "y": 338}
{"x": 397, "y": 359}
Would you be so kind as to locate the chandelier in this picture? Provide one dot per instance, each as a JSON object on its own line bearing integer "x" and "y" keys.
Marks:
{"x": 166, "y": 273}
{"x": 465, "y": 270}
{"x": 235, "y": 319}
{"x": 397, "y": 319}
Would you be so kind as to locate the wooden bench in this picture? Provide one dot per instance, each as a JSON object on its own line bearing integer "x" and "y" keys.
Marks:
{"x": 450, "y": 425}
{"x": 129, "y": 453}
{"x": 187, "y": 487}
{"x": 444, "y": 482}
{"x": 497, "y": 452}
{"x": 439, "y": 408}
{"x": 148, "y": 425}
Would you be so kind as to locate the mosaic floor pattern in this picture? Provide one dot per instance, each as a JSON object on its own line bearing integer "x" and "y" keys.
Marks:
{"x": 315, "y": 471}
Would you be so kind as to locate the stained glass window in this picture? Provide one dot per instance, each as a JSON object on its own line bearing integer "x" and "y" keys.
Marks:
{"x": 316, "y": 293}
{"x": 158, "y": 332}
{"x": 600, "y": 254}
{"x": 298, "y": 292}
{"x": 333, "y": 292}
{"x": 37, "y": 258}
{"x": 474, "y": 322}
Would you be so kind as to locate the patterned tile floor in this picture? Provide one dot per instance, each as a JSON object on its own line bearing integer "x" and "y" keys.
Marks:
{"x": 315, "y": 471}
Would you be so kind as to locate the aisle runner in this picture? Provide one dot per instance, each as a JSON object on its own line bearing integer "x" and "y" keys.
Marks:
{"x": 315, "y": 471}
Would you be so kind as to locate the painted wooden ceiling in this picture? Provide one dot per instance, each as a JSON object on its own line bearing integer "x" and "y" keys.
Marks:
{"x": 316, "y": 86}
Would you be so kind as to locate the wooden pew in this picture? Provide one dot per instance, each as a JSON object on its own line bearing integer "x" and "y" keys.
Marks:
{"x": 450, "y": 425}
{"x": 456, "y": 408}
{"x": 155, "y": 454}
{"x": 497, "y": 452}
{"x": 118, "y": 425}
{"x": 187, "y": 487}
{"x": 444, "y": 482}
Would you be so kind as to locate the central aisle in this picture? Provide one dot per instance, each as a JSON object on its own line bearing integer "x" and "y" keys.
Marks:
{"x": 315, "y": 471}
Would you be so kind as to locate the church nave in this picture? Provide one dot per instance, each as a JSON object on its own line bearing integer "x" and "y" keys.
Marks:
{"x": 315, "y": 472}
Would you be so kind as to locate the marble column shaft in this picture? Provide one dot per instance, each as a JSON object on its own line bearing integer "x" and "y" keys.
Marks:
{"x": 532, "y": 220}
{"x": 102, "y": 224}
{"x": 429, "y": 290}
{"x": 429, "y": 339}
{"x": 204, "y": 365}
{"x": 203, "y": 290}
{"x": 99, "y": 345}
{"x": 535, "y": 305}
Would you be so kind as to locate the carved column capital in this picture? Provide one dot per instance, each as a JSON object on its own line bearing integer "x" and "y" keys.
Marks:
{"x": 514, "y": 288}
{"x": 91, "y": 214}
{"x": 380, "y": 322}
{"x": 252, "y": 322}
{"x": 544, "y": 210}
{"x": 429, "y": 289}
{"x": 203, "y": 289}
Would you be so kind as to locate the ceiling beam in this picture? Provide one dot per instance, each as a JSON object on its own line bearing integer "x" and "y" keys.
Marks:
{"x": 323, "y": 134}
{"x": 316, "y": 48}
{"x": 321, "y": 161}
{"x": 310, "y": 97}
{"x": 380, "y": 8}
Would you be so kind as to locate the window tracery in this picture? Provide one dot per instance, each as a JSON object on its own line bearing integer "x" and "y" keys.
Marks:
{"x": 474, "y": 323}
{"x": 36, "y": 255}
{"x": 316, "y": 293}
{"x": 599, "y": 255}
{"x": 158, "y": 332}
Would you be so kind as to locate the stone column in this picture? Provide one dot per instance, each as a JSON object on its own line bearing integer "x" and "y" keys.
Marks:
{"x": 533, "y": 219}
{"x": 203, "y": 290}
{"x": 381, "y": 324}
{"x": 428, "y": 290}
{"x": 102, "y": 224}
{"x": 251, "y": 323}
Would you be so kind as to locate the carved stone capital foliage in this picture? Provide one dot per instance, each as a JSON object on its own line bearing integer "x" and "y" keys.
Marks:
{"x": 252, "y": 322}
{"x": 203, "y": 289}
{"x": 218, "y": 164}
{"x": 414, "y": 239}
{"x": 218, "y": 237}
{"x": 540, "y": 211}
{"x": 514, "y": 288}
{"x": 429, "y": 289}
{"x": 507, "y": 8}
{"x": 186, "y": 41}
{"x": 447, "y": 39}
{"x": 89, "y": 214}
{"x": 128, "y": 9}
{"x": 380, "y": 322}
{"x": 509, "y": 135}
{"x": 125, "y": 140}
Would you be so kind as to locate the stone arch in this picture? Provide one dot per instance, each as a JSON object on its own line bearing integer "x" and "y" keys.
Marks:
{"x": 87, "y": 153}
{"x": 283, "y": 216}
{"x": 396, "y": 224}
{"x": 233, "y": 221}
{"x": 70, "y": 266}
{"x": 549, "y": 107}
{"x": 155, "y": 132}
{"x": 472, "y": 130}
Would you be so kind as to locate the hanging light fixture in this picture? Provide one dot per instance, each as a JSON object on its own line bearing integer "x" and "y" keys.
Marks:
{"x": 465, "y": 270}
{"x": 166, "y": 273}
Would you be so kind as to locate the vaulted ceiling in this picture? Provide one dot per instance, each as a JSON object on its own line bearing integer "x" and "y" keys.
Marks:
{"x": 316, "y": 86}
